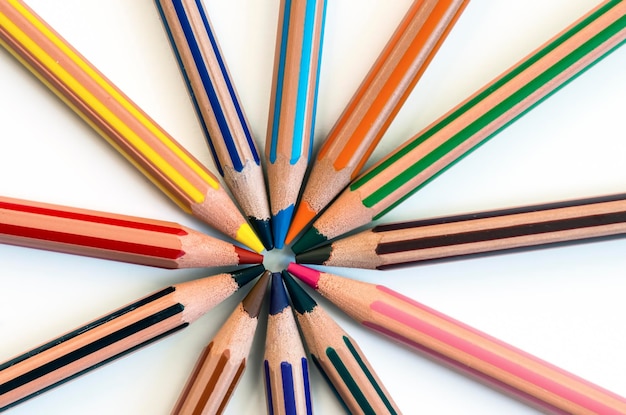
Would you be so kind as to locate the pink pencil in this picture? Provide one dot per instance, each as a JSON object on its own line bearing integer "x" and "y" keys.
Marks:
{"x": 462, "y": 347}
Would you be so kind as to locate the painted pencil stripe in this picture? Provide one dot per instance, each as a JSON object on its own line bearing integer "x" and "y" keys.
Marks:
{"x": 317, "y": 83}
{"x": 502, "y": 233}
{"x": 289, "y": 394}
{"x": 192, "y": 95}
{"x": 91, "y": 348}
{"x": 113, "y": 92}
{"x": 330, "y": 384}
{"x": 231, "y": 387}
{"x": 501, "y": 212}
{"x": 516, "y": 71}
{"x": 349, "y": 381}
{"x": 304, "y": 81}
{"x": 268, "y": 387}
{"x": 105, "y": 319}
{"x": 213, "y": 380}
{"x": 65, "y": 214}
{"x": 229, "y": 85}
{"x": 97, "y": 365}
{"x": 91, "y": 242}
{"x": 307, "y": 386}
{"x": 89, "y": 99}
{"x": 280, "y": 79}
{"x": 491, "y": 358}
{"x": 489, "y": 117}
{"x": 369, "y": 375}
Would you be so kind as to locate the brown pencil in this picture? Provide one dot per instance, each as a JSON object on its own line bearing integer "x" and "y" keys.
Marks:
{"x": 114, "y": 236}
{"x": 406, "y": 243}
{"x": 223, "y": 361}
{"x": 375, "y": 104}
{"x": 464, "y": 348}
{"x": 338, "y": 357}
{"x": 116, "y": 334}
{"x": 471, "y": 123}
{"x": 120, "y": 121}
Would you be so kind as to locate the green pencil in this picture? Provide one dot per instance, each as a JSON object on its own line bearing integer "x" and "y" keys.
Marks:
{"x": 433, "y": 150}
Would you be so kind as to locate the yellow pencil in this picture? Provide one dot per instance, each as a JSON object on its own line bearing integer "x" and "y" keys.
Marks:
{"x": 116, "y": 118}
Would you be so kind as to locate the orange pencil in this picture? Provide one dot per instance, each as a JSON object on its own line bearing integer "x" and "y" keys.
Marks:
{"x": 120, "y": 121}
{"x": 223, "y": 361}
{"x": 116, "y": 334}
{"x": 113, "y": 236}
{"x": 375, "y": 104}
{"x": 464, "y": 348}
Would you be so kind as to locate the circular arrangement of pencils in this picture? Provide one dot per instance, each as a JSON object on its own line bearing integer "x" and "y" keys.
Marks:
{"x": 312, "y": 206}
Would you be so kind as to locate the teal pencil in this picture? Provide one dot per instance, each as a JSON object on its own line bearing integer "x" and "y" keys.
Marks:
{"x": 292, "y": 106}
{"x": 338, "y": 357}
{"x": 464, "y": 128}
{"x": 219, "y": 110}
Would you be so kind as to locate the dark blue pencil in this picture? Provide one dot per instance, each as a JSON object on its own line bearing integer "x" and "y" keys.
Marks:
{"x": 221, "y": 115}
{"x": 285, "y": 366}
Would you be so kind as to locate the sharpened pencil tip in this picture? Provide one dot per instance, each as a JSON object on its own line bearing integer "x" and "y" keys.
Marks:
{"x": 280, "y": 225}
{"x": 317, "y": 256}
{"x": 246, "y": 236}
{"x": 308, "y": 240}
{"x": 305, "y": 274}
{"x": 244, "y": 276}
{"x": 301, "y": 301}
{"x": 303, "y": 216}
{"x": 278, "y": 298}
{"x": 253, "y": 301}
{"x": 248, "y": 257}
{"x": 263, "y": 229}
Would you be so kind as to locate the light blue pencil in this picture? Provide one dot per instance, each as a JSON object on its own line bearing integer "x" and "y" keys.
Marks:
{"x": 221, "y": 115}
{"x": 292, "y": 106}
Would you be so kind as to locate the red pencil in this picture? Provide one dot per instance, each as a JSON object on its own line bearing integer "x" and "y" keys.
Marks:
{"x": 114, "y": 236}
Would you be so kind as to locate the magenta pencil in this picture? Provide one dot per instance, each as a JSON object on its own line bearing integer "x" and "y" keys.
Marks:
{"x": 466, "y": 349}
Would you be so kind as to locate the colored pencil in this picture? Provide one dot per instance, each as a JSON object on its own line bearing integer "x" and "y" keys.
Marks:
{"x": 462, "y": 347}
{"x": 471, "y": 123}
{"x": 116, "y": 118}
{"x": 338, "y": 357}
{"x": 292, "y": 107}
{"x": 116, "y": 334}
{"x": 220, "y": 113}
{"x": 223, "y": 361}
{"x": 114, "y": 236}
{"x": 406, "y": 243}
{"x": 285, "y": 366}
{"x": 375, "y": 104}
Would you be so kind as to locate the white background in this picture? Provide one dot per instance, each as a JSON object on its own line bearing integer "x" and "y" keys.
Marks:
{"x": 565, "y": 305}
